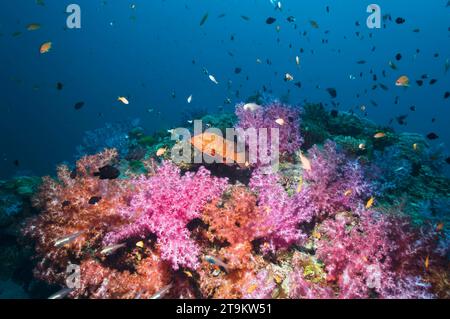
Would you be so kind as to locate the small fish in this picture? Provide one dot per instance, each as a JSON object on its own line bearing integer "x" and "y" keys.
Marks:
{"x": 402, "y": 81}
{"x": 433, "y": 81}
{"x": 245, "y": 18}
{"x": 123, "y": 99}
{"x": 288, "y": 77}
{"x": 362, "y": 146}
{"x": 252, "y": 288}
{"x": 78, "y": 105}
{"x": 427, "y": 262}
{"x": 59, "y": 86}
{"x": 278, "y": 6}
{"x": 297, "y": 60}
{"x": 161, "y": 151}
{"x": 140, "y": 244}
{"x": 94, "y": 200}
{"x": 392, "y": 65}
{"x": 107, "y": 172}
{"x": 279, "y": 121}
{"x": 61, "y": 293}
{"x": 33, "y": 26}
{"x": 213, "y": 79}
{"x": 314, "y": 24}
{"x": 251, "y": 107}
{"x": 204, "y": 18}
{"x": 401, "y": 119}
{"x": 332, "y": 92}
{"x": 348, "y": 192}
{"x": 300, "y": 185}
{"x": 162, "y": 292}
{"x": 270, "y": 20}
{"x": 415, "y": 146}
{"x": 400, "y": 20}
{"x": 306, "y": 164}
{"x": 379, "y": 135}
{"x": 188, "y": 273}
{"x": 439, "y": 227}
{"x": 68, "y": 239}
{"x": 109, "y": 250}
{"x": 46, "y": 47}
{"x": 216, "y": 261}
{"x": 316, "y": 235}
{"x": 370, "y": 202}
{"x": 189, "y": 99}
{"x": 432, "y": 136}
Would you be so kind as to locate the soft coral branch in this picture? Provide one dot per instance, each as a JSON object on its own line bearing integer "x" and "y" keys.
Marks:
{"x": 163, "y": 205}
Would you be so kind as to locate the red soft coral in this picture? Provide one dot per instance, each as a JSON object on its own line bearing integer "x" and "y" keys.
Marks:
{"x": 67, "y": 208}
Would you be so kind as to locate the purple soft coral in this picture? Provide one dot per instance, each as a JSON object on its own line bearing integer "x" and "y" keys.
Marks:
{"x": 164, "y": 204}
{"x": 334, "y": 182}
{"x": 266, "y": 117}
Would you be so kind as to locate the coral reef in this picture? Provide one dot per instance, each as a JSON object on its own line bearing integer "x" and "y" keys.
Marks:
{"x": 347, "y": 215}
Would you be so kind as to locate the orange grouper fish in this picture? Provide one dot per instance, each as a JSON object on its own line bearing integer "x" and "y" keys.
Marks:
{"x": 223, "y": 150}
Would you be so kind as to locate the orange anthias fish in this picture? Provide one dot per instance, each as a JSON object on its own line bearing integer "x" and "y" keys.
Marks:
{"x": 402, "y": 81}
{"x": 216, "y": 146}
{"x": 379, "y": 135}
{"x": 161, "y": 151}
{"x": 427, "y": 262}
{"x": 33, "y": 27}
{"x": 45, "y": 47}
{"x": 370, "y": 202}
{"x": 305, "y": 162}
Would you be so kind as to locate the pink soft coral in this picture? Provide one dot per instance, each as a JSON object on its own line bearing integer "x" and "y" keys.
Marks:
{"x": 279, "y": 227}
{"x": 163, "y": 205}
{"x": 373, "y": 254}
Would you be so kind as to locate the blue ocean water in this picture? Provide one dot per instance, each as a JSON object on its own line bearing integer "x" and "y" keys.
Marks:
{"x": 144, "y": 50}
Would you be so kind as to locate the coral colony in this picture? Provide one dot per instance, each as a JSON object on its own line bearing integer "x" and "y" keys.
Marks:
{"x": 326, "y": 224}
